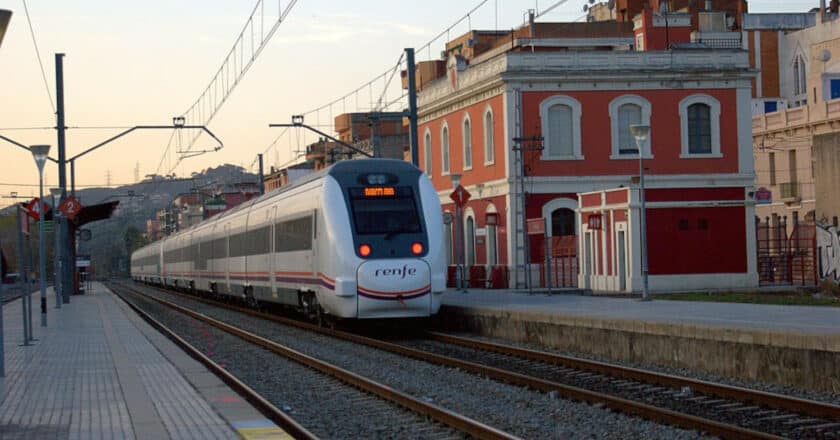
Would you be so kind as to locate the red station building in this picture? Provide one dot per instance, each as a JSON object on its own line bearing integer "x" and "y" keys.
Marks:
{"x": 541, "y": 115}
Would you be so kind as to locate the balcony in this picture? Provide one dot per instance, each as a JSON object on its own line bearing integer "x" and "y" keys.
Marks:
{"x": 789, "y": 192}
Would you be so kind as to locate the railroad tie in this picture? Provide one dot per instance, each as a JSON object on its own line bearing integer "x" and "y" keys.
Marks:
{"x": 822, "y": 427}
{"x": 778, "y": 418}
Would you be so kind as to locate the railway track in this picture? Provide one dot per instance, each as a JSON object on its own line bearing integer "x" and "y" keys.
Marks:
{"x": 368, "y": 400}
{"x": 722, "y": 410}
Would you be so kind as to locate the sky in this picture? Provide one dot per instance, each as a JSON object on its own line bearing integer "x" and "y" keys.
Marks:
{"x": 142, "y": 63}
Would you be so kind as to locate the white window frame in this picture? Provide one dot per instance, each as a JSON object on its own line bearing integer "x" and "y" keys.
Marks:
{"x": 492, "y": 138}
{"x": 714, "y": 117}
{"x": 464, "y": 123}
{"x": 427, "y": 151}
{"x": 574, "y": 104}
{"x": 615, "y": 104}
{"x": 445, "y": 157}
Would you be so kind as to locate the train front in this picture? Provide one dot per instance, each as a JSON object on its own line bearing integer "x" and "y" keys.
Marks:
{"x": 397, "y": 227}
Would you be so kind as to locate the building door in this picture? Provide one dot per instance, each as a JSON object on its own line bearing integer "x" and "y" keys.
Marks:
{"x": 563, "y": 247}
{"x": 492, "y": 250}
{"x": 622, "y": 262}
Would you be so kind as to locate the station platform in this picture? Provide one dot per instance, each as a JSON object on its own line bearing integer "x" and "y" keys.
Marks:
{"x": 99, "y": 371}
{"x": 791, "y": 345}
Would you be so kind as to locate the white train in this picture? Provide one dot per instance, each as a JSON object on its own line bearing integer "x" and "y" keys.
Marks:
{"x": 360, "y": 239}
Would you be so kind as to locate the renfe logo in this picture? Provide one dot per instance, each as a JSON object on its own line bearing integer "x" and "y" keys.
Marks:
{"x": 401, "y": 272}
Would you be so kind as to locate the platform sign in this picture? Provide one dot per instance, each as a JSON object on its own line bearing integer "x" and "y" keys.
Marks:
{"x": 763, "y": 196}
{"x": 536, "y": 226}
{"x": 33, "y": 208}
{"x": 70, "y": 207}
{"x": 460, "y": 196}
{"x": 83, "y": 261}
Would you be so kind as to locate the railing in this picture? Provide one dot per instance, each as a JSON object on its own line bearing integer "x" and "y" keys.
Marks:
{"x": 733, "y": 42}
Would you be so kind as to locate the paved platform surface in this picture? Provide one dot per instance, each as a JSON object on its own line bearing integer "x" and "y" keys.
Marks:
{"x": 802, "y": 319}
{"x": 790, "y": 345}
{"x": 97, "y": 371}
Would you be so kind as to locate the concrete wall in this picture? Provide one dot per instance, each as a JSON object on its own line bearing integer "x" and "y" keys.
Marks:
{"x": 799, "y": 360}
{"x": 827, "y": 179}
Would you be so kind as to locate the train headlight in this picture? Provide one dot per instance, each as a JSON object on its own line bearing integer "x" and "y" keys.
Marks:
{"x": 417, "y": 248}
{"x": 364, "y": 250}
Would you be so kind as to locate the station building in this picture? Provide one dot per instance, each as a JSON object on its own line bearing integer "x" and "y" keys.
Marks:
{"x": 534, "y": 123}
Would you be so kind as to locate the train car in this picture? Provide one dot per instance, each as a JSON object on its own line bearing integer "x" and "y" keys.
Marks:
{"x": 361, "y": 239}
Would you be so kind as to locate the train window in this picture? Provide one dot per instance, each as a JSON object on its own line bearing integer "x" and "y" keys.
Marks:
{"x": 259, "y": 241}
{"x": 293, "y": 235}
{"x": 237, "y": 245}
{"x": 385, "y": 215}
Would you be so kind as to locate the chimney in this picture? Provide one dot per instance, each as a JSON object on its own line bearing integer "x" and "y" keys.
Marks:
{"x": 822, "y": 10}
{"x": 531, "y": 17}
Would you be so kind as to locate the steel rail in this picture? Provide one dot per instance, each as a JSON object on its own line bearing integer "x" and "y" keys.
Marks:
{"x": 268, "y": 409}
{"x": 442, "y": 415}
{"x": 626, "y": 406}
{"x": 777, "y": 401}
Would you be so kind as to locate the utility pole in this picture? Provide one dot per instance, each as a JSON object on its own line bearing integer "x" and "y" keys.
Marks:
{"x": 63, "y": 229}
{"x": 262, "y": 176}
{"x": 412, "y": 107}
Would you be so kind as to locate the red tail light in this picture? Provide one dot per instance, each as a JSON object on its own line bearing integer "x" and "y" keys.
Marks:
{"x": 364, "y": 250}
{"x": 417, "y": 248}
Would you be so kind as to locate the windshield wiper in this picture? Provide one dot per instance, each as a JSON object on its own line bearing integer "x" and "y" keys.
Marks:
{"x": 390, "y": 235}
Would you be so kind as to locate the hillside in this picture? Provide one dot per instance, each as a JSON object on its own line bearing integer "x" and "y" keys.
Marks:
{"x": 139, "y": 202}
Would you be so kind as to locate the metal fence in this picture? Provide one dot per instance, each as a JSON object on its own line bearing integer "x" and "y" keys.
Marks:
{"x": 786, "y": 258}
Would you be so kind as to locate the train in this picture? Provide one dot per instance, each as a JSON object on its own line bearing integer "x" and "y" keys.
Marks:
{"x": 359, "y": 240}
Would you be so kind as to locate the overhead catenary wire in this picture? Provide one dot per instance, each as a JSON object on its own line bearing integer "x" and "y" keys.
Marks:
{"x": 38, "y": 54}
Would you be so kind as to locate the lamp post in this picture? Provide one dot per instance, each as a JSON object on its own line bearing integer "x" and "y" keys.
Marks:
{"x": 641, "y": 133}
{"x": 40, "y": 152}
{"x": 59, "y": 254}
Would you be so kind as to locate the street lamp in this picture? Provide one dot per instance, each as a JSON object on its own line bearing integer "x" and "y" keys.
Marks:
{"x": 5, "y": 16}
{"x": 641, "y": 133}
{"x": 40, "y": 152}
{"x": 57, "y": 286}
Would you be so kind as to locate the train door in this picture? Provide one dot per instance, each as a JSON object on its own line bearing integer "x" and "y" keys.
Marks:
{"x": 316, "y": 267}
{"x": 226, "y": 264}
{"x": 272, "y": 252}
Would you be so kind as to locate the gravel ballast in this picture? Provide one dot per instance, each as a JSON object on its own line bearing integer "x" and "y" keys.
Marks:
{"x": 325, "y": 406}
{"x": 525, "y": 413}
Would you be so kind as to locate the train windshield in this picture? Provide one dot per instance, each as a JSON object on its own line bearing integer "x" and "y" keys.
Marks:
{"x": 384, "y": 210}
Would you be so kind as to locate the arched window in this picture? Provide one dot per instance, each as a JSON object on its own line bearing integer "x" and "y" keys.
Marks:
{"x": 799, "y": 75}
{"x": 700, "y": 127}
{"x": 560, "y": 116}
{"x": 467, "y": 141}
{"x": 562, "y": 222}
{"x": 444, "y": 150}
{"x": 489, "y": 144}
{"x": 469, "y": 245}
{"x": 627, "y": 110}
{"x": 427, "y": 153}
